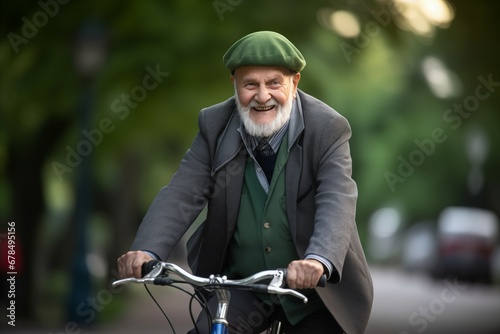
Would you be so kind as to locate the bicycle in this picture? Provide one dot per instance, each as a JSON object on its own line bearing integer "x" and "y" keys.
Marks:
{"x": 159, "y": 273}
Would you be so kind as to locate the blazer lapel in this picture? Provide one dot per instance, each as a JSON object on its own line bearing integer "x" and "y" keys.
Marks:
{"x": 229, "y": 143}
{"x": 294, "y": 165}
{"x": 229, "y": 169}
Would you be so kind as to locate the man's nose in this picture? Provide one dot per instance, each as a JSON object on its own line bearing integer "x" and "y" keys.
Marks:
{"x": 262, "y": 95}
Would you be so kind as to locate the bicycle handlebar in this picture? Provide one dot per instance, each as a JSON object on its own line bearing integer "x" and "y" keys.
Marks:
{"x": 148, "y": 267}
{"x": 158, "y": 273}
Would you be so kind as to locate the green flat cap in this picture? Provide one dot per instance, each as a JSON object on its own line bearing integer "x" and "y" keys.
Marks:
{"x": 264, "y": 48}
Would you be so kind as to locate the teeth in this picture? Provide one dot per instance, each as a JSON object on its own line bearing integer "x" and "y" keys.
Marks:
{"x": 263, "y": 108}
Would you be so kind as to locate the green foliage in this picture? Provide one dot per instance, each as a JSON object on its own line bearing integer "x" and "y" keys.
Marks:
{"x": 380, "y": 89}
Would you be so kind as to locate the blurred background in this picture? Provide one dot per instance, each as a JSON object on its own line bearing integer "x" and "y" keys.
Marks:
{"x": 99, "y": 101}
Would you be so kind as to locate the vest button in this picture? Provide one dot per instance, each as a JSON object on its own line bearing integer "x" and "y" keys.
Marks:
{"x": 267, "y": 249}
{"x": 267, "y": 225}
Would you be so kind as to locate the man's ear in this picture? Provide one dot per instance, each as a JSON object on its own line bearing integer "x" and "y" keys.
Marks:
{"x": 295, "y": 80}
{"x": 232, "y": 78}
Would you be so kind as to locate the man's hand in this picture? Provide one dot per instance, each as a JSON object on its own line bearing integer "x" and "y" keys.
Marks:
{"x": 130, "y": 264}
{"x": 304, "y": 274}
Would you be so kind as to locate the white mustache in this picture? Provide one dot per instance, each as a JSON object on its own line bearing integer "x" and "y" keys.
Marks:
{"x": 270, "y": 103}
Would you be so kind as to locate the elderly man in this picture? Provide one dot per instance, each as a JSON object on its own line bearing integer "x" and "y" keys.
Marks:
{"x": 273, "y": 166}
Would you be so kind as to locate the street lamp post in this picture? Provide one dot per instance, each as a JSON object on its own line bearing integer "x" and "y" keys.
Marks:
{"x": 90, "y": 48}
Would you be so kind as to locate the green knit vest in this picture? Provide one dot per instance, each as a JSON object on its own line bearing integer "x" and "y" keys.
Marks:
{"x": 262, "y": 238}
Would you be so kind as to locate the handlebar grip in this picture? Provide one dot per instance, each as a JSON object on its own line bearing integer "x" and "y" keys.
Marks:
{"x": 148, "y": 266}
{"x": 321, "y": 282}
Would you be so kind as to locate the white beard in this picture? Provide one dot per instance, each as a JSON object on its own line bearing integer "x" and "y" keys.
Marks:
{"x": 283, "y": 113}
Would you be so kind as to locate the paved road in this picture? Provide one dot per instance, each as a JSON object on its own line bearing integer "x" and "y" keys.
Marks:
{"x": 407, "y": 304}
{"x": 404, "y": 304}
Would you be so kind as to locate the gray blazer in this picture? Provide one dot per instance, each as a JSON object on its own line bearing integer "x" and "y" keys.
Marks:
{"x": 320, "y": 201}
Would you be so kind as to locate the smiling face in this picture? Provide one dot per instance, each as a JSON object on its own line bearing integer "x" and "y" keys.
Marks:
{"x": 264, "y": 97}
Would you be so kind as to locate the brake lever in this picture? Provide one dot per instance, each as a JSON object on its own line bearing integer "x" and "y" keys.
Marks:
{"x": 278, "y": 279}
{"x": 157, "y": 271}
{"x": 132, "y": 280}
{"x": 292, "y": 292}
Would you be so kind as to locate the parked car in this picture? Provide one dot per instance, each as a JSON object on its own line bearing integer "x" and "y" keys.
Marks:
{"x": 466, "y": 240}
